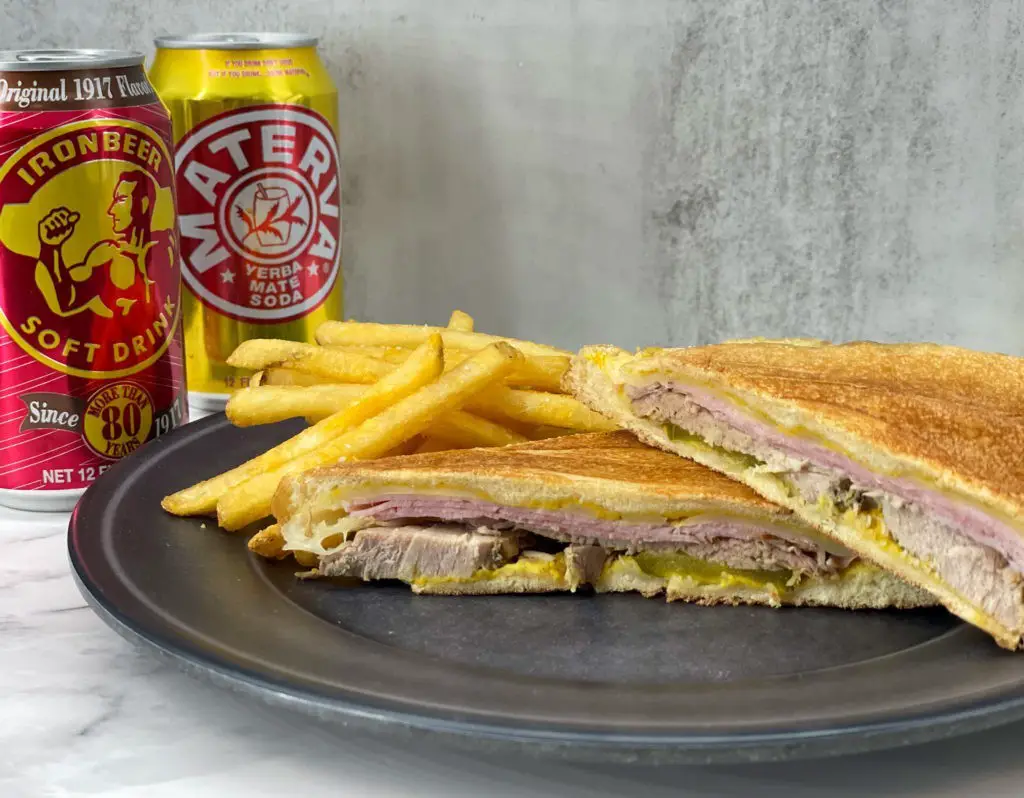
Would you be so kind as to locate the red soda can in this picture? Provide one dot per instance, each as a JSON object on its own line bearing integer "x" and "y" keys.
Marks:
{"x": 91, "y": 362}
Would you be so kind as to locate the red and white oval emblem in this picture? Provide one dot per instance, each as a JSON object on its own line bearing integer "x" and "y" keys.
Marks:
{"x": 259, "y": 208}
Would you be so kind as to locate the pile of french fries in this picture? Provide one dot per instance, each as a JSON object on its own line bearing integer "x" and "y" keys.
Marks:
{"x": 374, "y": 390}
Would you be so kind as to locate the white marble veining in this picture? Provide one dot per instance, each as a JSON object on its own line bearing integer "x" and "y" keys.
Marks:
{"x": 82, "y": 713}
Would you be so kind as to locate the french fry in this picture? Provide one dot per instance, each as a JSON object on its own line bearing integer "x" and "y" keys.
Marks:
{"x": 539, "y": 433}
{"x": 259, "y": 353}
{"x": 542, "y": 373}
{"x": 504, "y": 405}
{"x": 338, "y": 365}
{"x": 405, "y": 419}
{"x": 539, "y": 372}
{"x": 389, "y": 354}
{"x": 430, "y": 444}
{"x": 517, "y": 427}
{"x": 460, "y": 321}
{"x": 268, "y": 543}
{"x": 538, "y": 408}
{"x": 466, "y": 431}
{"x": 422, "y": 367}
{"x": 408, "y": 447}
{"x": 266, "y": 404}
{"x": 284, "y": 376}
{"x": 359, "y": 333}
{"x": 470, "y": 431}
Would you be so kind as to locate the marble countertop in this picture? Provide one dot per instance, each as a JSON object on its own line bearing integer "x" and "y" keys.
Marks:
{"x": 82, "y": 713}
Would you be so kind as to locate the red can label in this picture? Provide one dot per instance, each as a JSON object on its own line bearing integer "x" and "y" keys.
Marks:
{"x": 90, "y": 351}
{"x": 258, "y": 198}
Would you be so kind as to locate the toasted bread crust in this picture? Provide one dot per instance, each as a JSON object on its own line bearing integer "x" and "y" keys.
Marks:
{"x": 596, "y": 378}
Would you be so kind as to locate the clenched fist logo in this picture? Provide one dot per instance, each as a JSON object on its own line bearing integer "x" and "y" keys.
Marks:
{"x": 114, "y": 275}
{"x": 57, "y": 226}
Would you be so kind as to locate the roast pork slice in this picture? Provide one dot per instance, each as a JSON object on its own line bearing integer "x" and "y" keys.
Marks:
{"x": 409, "y": 552}
{"x": 583, "y": 564}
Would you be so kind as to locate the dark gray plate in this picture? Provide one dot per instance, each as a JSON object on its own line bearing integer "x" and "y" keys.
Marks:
{"x": 609, "y": 677}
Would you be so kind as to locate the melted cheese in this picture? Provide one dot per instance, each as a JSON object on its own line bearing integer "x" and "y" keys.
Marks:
{"x": 552, "y": 570}
{"x": 323, "y": 535}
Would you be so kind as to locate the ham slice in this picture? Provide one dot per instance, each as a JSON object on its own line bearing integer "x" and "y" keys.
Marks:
{"x": 731, "y": 541}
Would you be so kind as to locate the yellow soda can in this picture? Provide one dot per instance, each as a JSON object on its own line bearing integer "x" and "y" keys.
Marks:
{"x": 258, "y": 193}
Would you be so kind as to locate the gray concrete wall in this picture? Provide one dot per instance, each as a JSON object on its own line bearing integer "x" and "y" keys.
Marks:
{"x": 650, "y": 171}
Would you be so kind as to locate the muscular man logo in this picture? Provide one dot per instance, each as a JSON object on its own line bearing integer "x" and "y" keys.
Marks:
{"x": 114, "y": 276}
{"x": 89, "y": 248}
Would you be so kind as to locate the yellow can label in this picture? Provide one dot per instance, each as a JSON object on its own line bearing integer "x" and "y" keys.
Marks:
{"x": 260, "y": 200}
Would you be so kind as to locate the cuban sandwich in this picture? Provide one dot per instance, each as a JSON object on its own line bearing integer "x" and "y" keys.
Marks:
{"x": 911, "y": 455}
{"x": 600, "y": 510}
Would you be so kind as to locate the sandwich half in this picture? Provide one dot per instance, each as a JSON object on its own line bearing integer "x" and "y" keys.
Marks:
{"x": 600, "y": 510}
{"x": 912, "y": 455}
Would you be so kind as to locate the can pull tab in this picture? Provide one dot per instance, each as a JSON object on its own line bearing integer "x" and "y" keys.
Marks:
{"x": 50, "y": 56}
{"x": 234, "y": 38}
